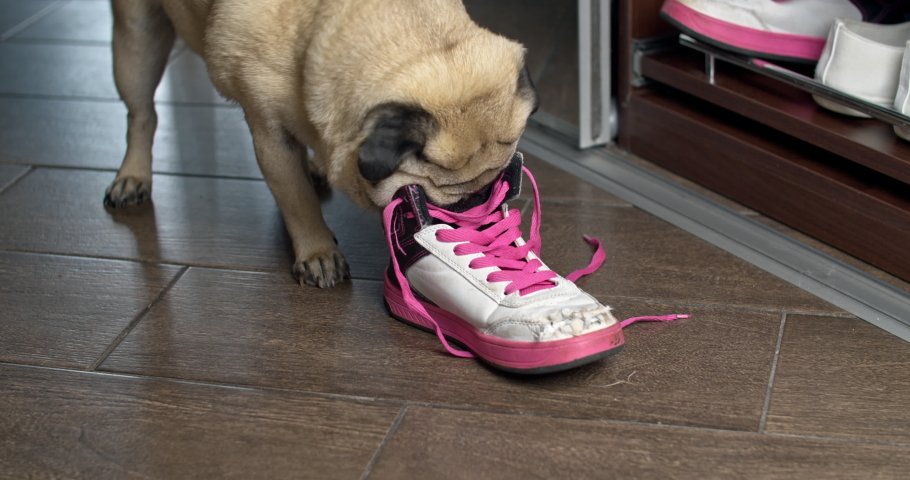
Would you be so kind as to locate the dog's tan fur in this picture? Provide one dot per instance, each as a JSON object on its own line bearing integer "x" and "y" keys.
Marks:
{"x": 346, "y": 78}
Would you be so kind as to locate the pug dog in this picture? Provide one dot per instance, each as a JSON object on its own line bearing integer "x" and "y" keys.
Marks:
{"x": 385, "y": 93}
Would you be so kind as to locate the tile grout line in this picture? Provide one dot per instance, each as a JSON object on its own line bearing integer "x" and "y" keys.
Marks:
{"x": 839, "y": 439}
{"x": 446, "y": 406}
{"x": 524, "y": 209}
{"x": 385, "y": 440}
{"x": 844, "y": 286}
{"x": 14, "y": 181}
{"x": 129, "y": 328}
{"x": 228, "y": 268}
{"x": 55, "y": 41}
{"x": 265, "y": 270}
{"x": 115, "y": 169}
{"x": 763, "y": 421}
{"x": 31, "y": 20}
{"x": 737, "y": 308}
{"x": 583, "y": 202}
{"x": 82, "y": 98}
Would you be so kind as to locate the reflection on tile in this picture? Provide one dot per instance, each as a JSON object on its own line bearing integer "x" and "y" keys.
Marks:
{"x": 262, "y": 329}
{"x": 186, "y": 80}
{"x": 57, "y": 69}
{"x": 80, "y": 21}
{"x": 204, "y": 140}
{"x": 534, "y": 23}
{"x": 557, "y": 86}
{"x": 201, "y": 221}
{"x": 555, "y": 184}
{"x": 651, "y": 260}
{"x": 841, "y": 377}
{"x": 9, "y": 173}
{"x": 60, "y": 132}
{"x": 77, "y": 70}
{"x": 452, "y": 444}
{"x": 70, "y": 424}
{"x": 66, "y": 311}
{"x": 199, "y": 140}
{"x": 14, "y": 12}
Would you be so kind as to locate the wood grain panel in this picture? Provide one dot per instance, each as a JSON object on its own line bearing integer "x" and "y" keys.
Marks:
{"x": 207, "y": 221}
{"x": 260, "y": 329}
{"x": 66, "y": 311}
{"x": 788, "y": 109}
{"x": 857, "y": 210}
{"x": 449, "y": 444}
{"x": 841, "y": 377}
{"x": 59, "y": 424}
{"x": 650, "y": 260}
{"x": 197, "y": 140}
{"x": 555, "y": 184}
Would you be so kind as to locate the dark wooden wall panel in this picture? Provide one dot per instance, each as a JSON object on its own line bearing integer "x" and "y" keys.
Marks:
{"x": 868, "y": 217}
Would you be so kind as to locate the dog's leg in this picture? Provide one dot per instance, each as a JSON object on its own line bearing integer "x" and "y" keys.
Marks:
{"x": 283, "y": 162}
{"x": 143, "y": 37}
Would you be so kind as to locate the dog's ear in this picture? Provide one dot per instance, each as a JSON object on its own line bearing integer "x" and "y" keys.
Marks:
{"x": 526, "y": 88}
{"x": 397, "y": 131}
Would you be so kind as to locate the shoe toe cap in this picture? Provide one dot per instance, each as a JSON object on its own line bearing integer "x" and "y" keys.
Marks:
{"x": 553, "y": 324}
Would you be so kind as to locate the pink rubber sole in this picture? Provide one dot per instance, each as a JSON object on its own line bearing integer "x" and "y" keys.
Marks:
{"x": 749, "y": 41}
{"x": 518, "y": 357}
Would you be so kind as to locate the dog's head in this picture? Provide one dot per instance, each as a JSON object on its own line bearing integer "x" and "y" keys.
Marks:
{"x": 451, "y": 124}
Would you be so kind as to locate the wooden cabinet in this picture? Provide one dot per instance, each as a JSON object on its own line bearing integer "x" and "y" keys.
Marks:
{"x": 842, "y": 180}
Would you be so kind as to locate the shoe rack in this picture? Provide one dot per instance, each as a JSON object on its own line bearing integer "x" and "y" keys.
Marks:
{"x": 762, "y": 142}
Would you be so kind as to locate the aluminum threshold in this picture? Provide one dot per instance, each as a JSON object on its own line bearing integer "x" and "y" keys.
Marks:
{"x": 853, "y": 290}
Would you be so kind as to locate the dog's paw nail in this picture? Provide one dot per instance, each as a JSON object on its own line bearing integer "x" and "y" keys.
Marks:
{"x": 323, "y": 271}
{"x": 127, "y": 191}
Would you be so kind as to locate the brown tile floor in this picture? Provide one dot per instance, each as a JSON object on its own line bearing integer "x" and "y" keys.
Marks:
{"x": 170, "y": 340}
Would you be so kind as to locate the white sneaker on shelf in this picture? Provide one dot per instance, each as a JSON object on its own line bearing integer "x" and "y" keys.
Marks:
{"x": 863, "y": 60}
{"x": 789, "y": 30}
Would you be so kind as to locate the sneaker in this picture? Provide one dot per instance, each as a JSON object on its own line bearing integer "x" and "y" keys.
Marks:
{"x": 465, "y": 273}
{"x": 863, "y": 60}
{"x": 787, "y": 30}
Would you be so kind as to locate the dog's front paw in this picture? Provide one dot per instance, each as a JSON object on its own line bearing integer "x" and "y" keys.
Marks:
{"x": 127, "y": 191}
{"x": 322, "y": 269}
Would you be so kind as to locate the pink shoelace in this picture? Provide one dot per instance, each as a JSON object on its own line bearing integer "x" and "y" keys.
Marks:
{"x": 501, "y": 245}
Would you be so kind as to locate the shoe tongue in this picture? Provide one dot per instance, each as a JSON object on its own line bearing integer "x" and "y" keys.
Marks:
{"x": 512, "y": 176}
{"x": 416, "y": 196}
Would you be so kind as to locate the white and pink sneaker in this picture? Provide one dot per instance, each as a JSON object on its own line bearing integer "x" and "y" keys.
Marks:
{"x": 863, "y": 60}
{"x": 788, "y": 30}
{"x": 465, "y": 273}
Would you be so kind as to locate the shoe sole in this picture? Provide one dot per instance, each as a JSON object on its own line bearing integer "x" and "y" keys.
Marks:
{"x": 742, "y": 40}
{"x": 902, "y": 132}
{"x": 836, "y": 107}
{"x": 508, "y": 355}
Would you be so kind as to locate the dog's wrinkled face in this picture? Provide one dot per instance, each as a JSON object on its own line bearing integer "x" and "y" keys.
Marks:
{"x": 451, "y": 145}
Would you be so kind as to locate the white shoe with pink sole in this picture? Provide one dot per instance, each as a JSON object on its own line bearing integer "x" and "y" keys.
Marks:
{"x": 465, "y": 273}
{"x": 788, "y": 30}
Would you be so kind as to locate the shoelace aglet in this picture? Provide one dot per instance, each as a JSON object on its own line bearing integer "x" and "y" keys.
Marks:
{"x": 666, "y": 318}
